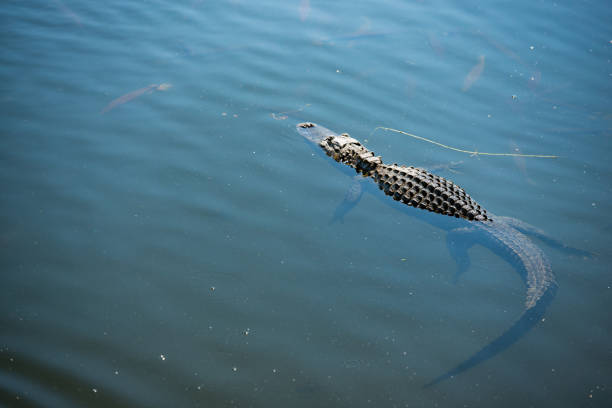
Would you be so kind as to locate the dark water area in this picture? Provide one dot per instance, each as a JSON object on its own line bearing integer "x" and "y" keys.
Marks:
{"x": 168, "y": 238}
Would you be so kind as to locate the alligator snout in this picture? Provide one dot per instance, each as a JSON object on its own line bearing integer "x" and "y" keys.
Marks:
{"x": 314, "y": 132}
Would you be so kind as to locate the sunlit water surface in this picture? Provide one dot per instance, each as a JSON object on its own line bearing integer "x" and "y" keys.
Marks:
{"x": 173, "y": 248}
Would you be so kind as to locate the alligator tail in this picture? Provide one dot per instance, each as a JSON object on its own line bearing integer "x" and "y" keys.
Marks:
{"x": 526, "y": 322}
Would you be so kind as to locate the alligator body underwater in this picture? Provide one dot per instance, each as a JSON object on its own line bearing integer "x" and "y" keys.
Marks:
{"x": 470, "y": 224}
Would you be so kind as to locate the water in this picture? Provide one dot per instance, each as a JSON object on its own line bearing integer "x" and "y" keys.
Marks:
{"x": 176, "y": 250}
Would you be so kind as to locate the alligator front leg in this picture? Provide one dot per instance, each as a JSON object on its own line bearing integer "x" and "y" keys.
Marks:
{"x": 450, "y": 166}
{"x": 351, "y": 199}
{"x": 458, "y": 242}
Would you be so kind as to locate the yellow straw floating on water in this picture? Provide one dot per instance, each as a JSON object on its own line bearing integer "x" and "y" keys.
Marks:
{"x": 473, "y": 153}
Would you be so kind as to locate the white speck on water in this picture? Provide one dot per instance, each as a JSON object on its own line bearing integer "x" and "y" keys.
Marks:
{"x": 212, "y": 288}
{"x": 234, "y": 369}
{"x": 531, "y": 47}
{"x": 163, "y": 358}
{"x": 116, "y": 372}
{"x": 274, "y": 370}
{"x": 95, "y": 390}
{"x": 594, "y": 204}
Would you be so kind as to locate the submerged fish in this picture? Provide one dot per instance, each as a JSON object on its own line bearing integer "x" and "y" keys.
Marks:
{"x": 520, "y": 164}
{"x": 135, "y": 94}
{"x": 68, "y": 12}
{"x": 304, "y": 9}
{"x": 474, "y": 74}
{"x": 435, "y": 44}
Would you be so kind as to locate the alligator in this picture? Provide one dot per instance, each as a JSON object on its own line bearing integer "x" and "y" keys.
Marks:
{"x": 470, "y": 224}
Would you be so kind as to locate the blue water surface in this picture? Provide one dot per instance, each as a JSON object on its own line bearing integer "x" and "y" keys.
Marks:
{"x": 167, "y": 236}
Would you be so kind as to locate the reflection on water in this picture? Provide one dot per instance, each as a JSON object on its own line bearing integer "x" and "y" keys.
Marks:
{"x": 115, "y": 227}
